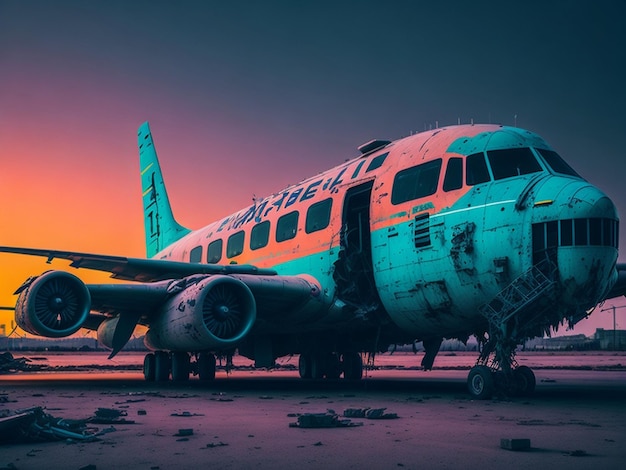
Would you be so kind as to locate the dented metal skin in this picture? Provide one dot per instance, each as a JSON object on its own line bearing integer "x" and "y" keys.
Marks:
{"x": 396, "y": 258}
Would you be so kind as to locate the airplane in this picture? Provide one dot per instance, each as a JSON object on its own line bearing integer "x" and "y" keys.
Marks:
{"x": 463, "y": 230}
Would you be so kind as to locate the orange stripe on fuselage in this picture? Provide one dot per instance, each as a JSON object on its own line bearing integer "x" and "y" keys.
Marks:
{"x": 403, "y": 153}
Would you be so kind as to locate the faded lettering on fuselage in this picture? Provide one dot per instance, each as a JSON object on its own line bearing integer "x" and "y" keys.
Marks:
{"x": 260, "y": 210}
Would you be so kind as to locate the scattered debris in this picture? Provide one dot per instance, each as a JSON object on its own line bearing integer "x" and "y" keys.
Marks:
{"x": 110, "y": 416}
{"x": 34, "y": 425}
{"x": 515, "y": 444}
{"x": 10, "y": 364}
{"x": 577, "y": 453}
{"x": 210, "y": 445}
{"x": 322, "y": 420}
{"x": 369, "y": 413}
{"x": 137, "y": 400}
{"x": 186, "y": 414}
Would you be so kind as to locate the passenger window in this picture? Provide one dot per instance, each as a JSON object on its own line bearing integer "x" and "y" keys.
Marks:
{"x": 377, "y": 162}
{"x": 259, "y": 236}
{"x": 318, "y": 216}
{"x": 454, "y": 175}
{"x": 416, "y": 182}
{"x": 476, "y": 171}
{"x": 234, "y": 246}
{"x": 195, "y": 255}
{"x": 507, "y": 163}
{"x": 287, "y": 226}
{"x": 214, "y": 252}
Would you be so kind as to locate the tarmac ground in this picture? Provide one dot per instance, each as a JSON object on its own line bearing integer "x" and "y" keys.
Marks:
{"x": 575, "y": 419}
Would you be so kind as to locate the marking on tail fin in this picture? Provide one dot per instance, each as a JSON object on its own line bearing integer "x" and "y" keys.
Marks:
{"x": 161, "y": 228}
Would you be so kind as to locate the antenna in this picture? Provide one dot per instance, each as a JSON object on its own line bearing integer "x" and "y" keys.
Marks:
{"x": 613, "y": 307}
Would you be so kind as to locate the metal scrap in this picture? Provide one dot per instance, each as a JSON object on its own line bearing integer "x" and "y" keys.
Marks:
{"x": 10, "y": 364}
{"x": 322, "y": 420}
{"x": 34, "y": 425}
{"x": 369, "y": 413}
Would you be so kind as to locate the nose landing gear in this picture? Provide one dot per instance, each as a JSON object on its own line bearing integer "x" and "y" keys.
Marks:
{"x": 518, "y": 312}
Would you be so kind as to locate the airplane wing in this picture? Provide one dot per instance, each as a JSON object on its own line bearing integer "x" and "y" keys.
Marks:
{"x": 159, "y": 286}
{"x": 138, "y": 269}
{"x": 620, "y": 286}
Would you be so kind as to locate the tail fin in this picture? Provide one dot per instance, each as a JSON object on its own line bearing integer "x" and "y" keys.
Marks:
{"x": 160, "y": 226}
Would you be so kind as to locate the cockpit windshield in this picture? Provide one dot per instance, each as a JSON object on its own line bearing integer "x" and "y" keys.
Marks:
{"x": 507, "y": 163}
{"x": 557, "y": 164}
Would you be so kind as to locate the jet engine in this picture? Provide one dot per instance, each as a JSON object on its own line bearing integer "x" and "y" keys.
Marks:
{"x": 214, "y": 313}
{"x": 55, "y": 304}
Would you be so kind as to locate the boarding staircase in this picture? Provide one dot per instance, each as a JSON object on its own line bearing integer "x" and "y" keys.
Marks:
{"x": 518, "y": 312}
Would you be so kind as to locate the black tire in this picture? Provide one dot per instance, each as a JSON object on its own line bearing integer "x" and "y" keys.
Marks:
{"x": 352, "y": 366}
{"x": 180, "y": 366}
{"x": 161, "y": 366}
{"x": 318, "y": 367}
{"x": 304, "y": 366}
{"x": 206, "y": 366}
{"x": 149, "y": 367}
{"x": 525, "y": 381}
{"x": 480, "y": 382}
{"x": 333, "y": 366}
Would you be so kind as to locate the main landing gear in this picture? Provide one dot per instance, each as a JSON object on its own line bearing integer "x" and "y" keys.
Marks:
{"x": 331, "y": 366}
{"x": 158, "y": 366}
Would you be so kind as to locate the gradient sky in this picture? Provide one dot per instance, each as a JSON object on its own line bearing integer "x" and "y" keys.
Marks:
{"x": 246, "y": 97}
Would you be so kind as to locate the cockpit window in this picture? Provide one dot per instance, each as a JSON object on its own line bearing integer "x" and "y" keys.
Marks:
{"x": 507, "y": 163}
{"x": 476, "y": 171}
{"x": 454, "y": 175}
{"x": 557, "y": 164}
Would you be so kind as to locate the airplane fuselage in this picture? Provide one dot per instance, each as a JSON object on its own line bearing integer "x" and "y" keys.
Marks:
{"x": 411, "y": 239}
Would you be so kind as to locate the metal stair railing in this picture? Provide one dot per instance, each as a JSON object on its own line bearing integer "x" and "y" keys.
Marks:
{"x": 523, "y": 291}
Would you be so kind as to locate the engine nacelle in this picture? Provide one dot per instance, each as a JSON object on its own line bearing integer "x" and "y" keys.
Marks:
{"x": 213, "y": 314}
{"x": 55, "y": 304}
{"x": 106, "y": 330}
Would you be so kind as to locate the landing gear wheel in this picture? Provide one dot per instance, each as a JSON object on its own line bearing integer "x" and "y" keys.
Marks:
{"x": 180, "y": 366}
{"x": 162, "y": 366}
{"x": 333, "y": 366}
{"x": 524, "y": 380}
{"x": 206, "y": 366}
{"x": 480, "y": 382}
{"x": 318, "y": 367}
{"x": 352, "y": 366}
{"x": 304, "y": 366}
{"x": 149, "y": 367}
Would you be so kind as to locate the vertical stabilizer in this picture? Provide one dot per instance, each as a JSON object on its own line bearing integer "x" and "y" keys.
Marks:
{"x": 160, "y": 226}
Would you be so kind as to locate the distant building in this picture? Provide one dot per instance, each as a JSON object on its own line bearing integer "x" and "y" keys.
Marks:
{"x": 611, "y": 340}
{"x": 562, "y": 343}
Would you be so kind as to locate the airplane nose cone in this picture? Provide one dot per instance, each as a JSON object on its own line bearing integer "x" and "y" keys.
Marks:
{"x": 589, "y": 201}
{"x": 587, "y": 251}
